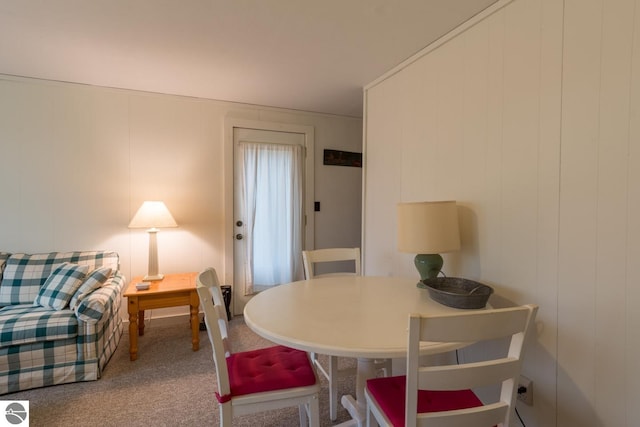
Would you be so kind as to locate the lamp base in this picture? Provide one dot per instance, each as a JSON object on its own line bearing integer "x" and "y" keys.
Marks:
{"x": 428, "y": 265}
{"x": 153, "y": 278}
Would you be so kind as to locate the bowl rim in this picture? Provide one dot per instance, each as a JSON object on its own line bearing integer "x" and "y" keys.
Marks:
{"x": 485, "y": 290}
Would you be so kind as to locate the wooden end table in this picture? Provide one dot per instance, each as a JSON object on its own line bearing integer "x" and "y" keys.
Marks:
{"x": 174, "y": 290}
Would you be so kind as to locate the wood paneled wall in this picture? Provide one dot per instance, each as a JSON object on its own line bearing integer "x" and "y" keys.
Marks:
{"x": 530, "y": 119}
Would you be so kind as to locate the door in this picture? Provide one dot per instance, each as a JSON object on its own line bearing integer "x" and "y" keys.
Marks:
{"x": 269, "y": 210}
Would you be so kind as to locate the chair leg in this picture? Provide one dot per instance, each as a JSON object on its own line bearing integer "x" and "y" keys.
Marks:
{"x": 314, "y": 412}
{"x": 371, "y": 420}
{"x": 302, "y": 410}
{"x": 225, "y": 415}
{"x": 333, "y": 387}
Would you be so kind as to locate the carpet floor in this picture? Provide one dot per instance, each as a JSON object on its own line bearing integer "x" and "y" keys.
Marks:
{"x": 169, "y": 385}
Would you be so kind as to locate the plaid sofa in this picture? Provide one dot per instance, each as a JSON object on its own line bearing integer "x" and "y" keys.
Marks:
{"x": 41, "y": 346}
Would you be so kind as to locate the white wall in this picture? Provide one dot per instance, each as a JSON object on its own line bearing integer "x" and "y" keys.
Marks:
{"x": 77, "y": 161}
{"x": 529, "y": 118}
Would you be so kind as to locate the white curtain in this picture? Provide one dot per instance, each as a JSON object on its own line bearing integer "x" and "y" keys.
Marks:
{"x": 272, "y": 200}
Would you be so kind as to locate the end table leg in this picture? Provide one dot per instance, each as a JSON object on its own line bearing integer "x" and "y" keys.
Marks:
{"x": 195, "y": 328}
{"x": 141, "y": 322}
{"x": 133, "y": 335}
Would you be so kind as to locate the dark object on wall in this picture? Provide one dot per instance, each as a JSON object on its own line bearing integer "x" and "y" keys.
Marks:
{"x": 342, "y": 158}
{"x": 456, "y": 292}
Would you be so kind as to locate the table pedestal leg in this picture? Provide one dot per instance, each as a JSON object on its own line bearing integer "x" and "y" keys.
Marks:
{"x": 357, "y": 407}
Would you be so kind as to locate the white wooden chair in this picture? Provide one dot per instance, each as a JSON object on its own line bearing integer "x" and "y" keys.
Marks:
{"x": 442, "y": 395}
{"x": 310, "y": 258}
{"x": 258, "y": 380}
{"x": 331, "y": 372}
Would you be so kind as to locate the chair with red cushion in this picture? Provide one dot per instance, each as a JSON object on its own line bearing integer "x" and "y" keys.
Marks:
{"x": 258, "y": 380}
{"x": 442, "y": 395}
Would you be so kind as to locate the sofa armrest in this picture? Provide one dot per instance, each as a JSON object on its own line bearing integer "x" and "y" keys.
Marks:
{"x": 102, "y": 300}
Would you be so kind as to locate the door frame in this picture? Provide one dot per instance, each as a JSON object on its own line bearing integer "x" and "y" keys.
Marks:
{"x": 309, "y": 229}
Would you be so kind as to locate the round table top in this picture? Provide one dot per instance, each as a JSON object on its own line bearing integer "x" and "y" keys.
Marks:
{"x": 349, "y": 316}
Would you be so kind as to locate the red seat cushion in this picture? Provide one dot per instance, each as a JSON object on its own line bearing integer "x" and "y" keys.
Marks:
{"x": 389, "y": 392}
{"x": 268, "y": 369}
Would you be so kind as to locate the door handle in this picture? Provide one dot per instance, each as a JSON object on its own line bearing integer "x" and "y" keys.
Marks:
{"x": 239, "y": 236}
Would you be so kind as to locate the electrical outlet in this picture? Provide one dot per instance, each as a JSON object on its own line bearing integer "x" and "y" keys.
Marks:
{"x": 525, "y": 390}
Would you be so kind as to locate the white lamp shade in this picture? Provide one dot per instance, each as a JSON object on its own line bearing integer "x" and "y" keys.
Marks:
{"x": 428, "y": 227}
{"x": 152, "y": 214}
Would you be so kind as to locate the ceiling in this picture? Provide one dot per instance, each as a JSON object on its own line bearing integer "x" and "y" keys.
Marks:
{"x": 312, "y": 55}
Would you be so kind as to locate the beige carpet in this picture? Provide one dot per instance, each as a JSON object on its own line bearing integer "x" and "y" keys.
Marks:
{"x": 169, "y": 385}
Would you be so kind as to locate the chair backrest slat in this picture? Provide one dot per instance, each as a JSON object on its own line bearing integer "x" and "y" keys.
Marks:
{"x": 456, "y": 327}
{"x": 310, "y": 258}
{"x": 457, "y": 377}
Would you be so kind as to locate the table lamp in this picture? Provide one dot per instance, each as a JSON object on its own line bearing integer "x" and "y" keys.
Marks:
{"x": 153, "y": 215}
{"x": 428, "y": 229}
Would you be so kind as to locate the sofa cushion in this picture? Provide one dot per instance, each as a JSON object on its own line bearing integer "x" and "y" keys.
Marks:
{"x": 61, "y": 285}
{"x": 24, "y": 274}
{"x": 96, "y": 279}
{"x": 24, "y": 324}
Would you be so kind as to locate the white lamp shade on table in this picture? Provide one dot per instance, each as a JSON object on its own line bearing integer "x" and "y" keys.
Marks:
{"x": 153, "y": 215}
{"x": 428, "y": 229}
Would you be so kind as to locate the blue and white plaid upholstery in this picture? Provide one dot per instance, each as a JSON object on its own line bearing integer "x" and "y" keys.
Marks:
{"x": 43, "y": 363}
{"x": 61, "y": 285}
{"x": 24, "y": 324}
{"x": 96, "y": 279}
{"x": 24, "y": 274}
{"x": 40, "y": 346}
{"x": 99, "y": 338}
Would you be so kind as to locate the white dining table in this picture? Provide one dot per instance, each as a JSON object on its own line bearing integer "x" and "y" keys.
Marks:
{"x": 363, "y": 317}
